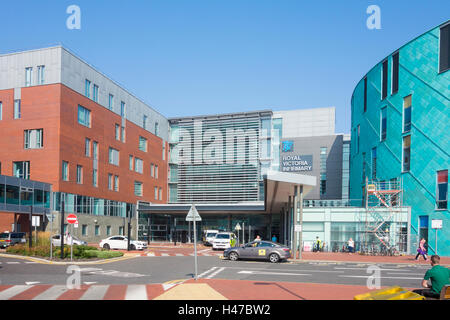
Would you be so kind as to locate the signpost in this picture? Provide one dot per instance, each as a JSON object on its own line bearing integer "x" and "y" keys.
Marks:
{"x": 194, "y": 216}
{"x": 51, "y": 217}
{"x": 72, "y": 219}
{"x": 436, "y": 224}
{"x": 36, "y": 222}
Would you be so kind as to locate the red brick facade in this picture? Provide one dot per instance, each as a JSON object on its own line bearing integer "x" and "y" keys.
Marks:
{"x": 54, "y": 108}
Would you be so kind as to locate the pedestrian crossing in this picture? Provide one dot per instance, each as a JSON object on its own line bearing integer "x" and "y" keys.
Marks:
{"x": 85, "y": 292}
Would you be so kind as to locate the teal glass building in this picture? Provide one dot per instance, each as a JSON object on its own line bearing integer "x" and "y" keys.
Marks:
{"x": 400, "y": 132}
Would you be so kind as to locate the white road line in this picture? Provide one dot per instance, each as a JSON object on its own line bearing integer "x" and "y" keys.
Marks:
{"x": 215, "y": 273}
{"x": 30, "y": 262}
{"x": 407, "y": 273}
{"x": 13, "y": 291}
{"x": 204, "y": 250}
{"x": 32, "y": 283}
{"x": 89, "y": 269}
{"x": 287, "y": 270}
{"x": 406, "y": 278}
{"x": 95, "y": 293}
{"x": 206, "y": 272}
{"x": 206, "y": 255}
{"x": 52, "y": 293}
{"x": 339, "y": 268}
{"x": 13, "y": 262}
{"x": 164, "y": 254}
{"x": 179, "y": 255}
{"x": 274, "y": 273}
{"x": 136, "y": 292}
{"x": 151, "y": 254}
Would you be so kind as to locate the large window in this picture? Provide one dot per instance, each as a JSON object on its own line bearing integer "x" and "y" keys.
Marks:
{"x": 17, "y": 111}
{"x": 113, "y": 156}
{"x": 28, "y": 73}
{"x": 407, "y": 113}
{"x": 65, "y": 171}
{"x": 33, "y": 139}
{"x": 41, "y": 70}
{"x": 84, "y": 116}
{"x": 142, "y": 144}
{"x": 138, "y": 188}
{"x": 442, "y": 190}
{"x": 395, "y": 68}
{"x": 406, "y": 153}
{"x": 21, "y": 169}
{"x": 384, "y": 80}
{"x": 444, "y": 48}
{"x": 383, "y": 124}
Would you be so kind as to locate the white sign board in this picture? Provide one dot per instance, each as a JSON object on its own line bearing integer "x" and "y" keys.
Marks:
{"x": 36, "y": 221}
{"x": 238, "y": 227}
{"x": 193, "y": 214}
{"x": 50, "y": 217}
{"x": 436, "y": 224}
{"x": 75, "y": 225}
{"x": 298, "y": 228}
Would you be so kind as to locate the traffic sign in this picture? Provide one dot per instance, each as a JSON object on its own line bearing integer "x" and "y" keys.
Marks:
{"x": 36, "y": 221}
{"x": 50, "y": 217}
{"x": 436, "y": 224}
{"x": 193, "y": 214}
{"x": 71, "y": 218}
{"x": 75, "y": 225}
{"x": 238, "y": 227}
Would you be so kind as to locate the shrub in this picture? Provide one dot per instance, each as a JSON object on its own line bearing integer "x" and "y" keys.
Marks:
{"x": 109, "y": 254}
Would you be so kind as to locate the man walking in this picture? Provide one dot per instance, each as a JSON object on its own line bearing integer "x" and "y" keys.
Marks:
{"x": 351, "y": 245}
{"x": 439, "y": 277}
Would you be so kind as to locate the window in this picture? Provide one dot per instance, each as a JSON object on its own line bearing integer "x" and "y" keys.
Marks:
{"x": 138, "y": 165}
{"x": 123, "y": 134}
{"x": 117, "y": 132}
{"x": 406, "y": 153}
{"x": 122, "y": 109}
{"x": 374, "y": 163}
{"x": 138, "y": 188}
{"x": 28, "y": 73}
{"x": 323, "y": 170}
{"x": 65, "y": 171}
{"x": 442, "y": 190}
{"x": 156, "y": 128}
{"x": 95, "y": 177}
{"x": 79, "y": 174}
{"x": 41, "y": 70}
{"x": 384, "y": 80}
{"x": 142, "y": 144}
{"x": 108, "y": 230}
{"x": 33, "y": 139}
{"x": 152, "y": 170}
{"x": 121, "y": 231}
{"x": 444, "y": 48}
{"x": 156, "y": 193}
{"x": 160, "y": 193}
{"x": 116, "y": 183}
{"x": 87, "y": 88}
{"x": 87, "y": 147}
{"x": 84, "y": 230}
{"x": 423, "y": 227}
{"x": 383, "y": 127}
{"x": 407, "y": 114}
{"x": 110, "y": 102}
{"x": 164, "y": 151}
{"x": 156, "y": 172}
{"x": 97, "y": 230}
{"x": 95, "y": 93}
{"x": 84, "y": 116}
{"x": 113, "y": 156}
{"x": 17, "y": 113}
{"x": 21, "y": 169}
{"x": 144, "y": 124}
{"x": 365, "y": 94}
{"x": 395, "y": 68}
{"x": 110, "y": 181}
{"x": 95, "y": 150}
{"x": 131, "y": 163}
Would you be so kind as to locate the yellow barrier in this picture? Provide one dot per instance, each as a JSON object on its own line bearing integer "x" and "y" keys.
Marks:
{"x": 392, "y": 293}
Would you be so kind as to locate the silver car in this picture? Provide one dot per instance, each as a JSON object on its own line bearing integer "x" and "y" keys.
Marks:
{"x": 264, "y": 250}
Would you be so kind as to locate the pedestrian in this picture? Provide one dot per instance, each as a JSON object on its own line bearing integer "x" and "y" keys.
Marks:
{"x": 317, "y": 244}
{"x": 232, "y": 241}
{"x": 439, "y": 277}
{"x": 351, "y": 245}
{"x": 274, "y": 238}
{"x": 422, "y": 250}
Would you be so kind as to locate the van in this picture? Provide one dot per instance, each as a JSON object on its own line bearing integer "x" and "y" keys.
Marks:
{"x": 11, "y": 238}
{"x": 223, "y": 240}
{"x": 208, "y": 236}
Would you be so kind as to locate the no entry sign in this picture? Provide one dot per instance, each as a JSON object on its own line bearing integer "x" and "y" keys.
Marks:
{"x": 71, "y": 218}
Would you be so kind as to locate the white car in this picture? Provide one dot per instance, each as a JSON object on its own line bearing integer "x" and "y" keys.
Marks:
{"x": 121, "y": 242}
{"x": 56, "y": 241}
{"x": 209, "y": 236}
{"x": 222, "y": 240}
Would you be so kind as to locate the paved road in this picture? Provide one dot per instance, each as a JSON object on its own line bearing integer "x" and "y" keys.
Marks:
{"x": 148, "y": 269}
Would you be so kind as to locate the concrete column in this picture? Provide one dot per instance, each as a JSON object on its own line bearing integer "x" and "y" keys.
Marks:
{"x": 289, "y": 222}
{"x": 295, "y": 242}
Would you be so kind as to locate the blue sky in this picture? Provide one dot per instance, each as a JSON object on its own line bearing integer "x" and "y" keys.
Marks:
{"x": 192, "y": 57}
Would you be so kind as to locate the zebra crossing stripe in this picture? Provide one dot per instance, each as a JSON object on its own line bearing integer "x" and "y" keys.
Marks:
{"x": 151, "y": 254}
{"x": 95, "y": 293}
{"x": 52, "y": 293}
{"x": 13, "y": 291}
{"x": 136, "y": 292}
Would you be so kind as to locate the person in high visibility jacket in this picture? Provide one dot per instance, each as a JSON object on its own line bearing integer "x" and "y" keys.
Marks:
{"x": 232, "y": 241}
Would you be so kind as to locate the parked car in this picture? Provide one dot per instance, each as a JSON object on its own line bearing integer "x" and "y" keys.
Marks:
{"x": 208, "y": 236}
{"x": 222, "y": 240}
{"x": 121, "y": 242}
{"x": 11, "y": 238}
{"x": 56, "y": 241}
{"x": 259, "y": 250}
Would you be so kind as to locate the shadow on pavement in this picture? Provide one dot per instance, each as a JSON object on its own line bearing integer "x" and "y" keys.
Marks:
{"x": 279, "y": 286}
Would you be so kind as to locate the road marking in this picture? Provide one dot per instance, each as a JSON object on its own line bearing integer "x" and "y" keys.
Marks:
{"x": 179, "y": 255}
{"x": 342, "y": 268}
{"x": 89, "y": 283}
{"x": 274, "y": 273}
{"x": 30, "y": 262}
{"x": 52, "y": 293}
{"x": 13, "y": 291}
{"x": 326, "y": 271}
{"x": 204, "y": 250}
{"x": 411, "y": 274}
{"x": 89, "y": 269}
{"x": 207, "y": 271}
{"x": 206, "y": 255}
{"x": 150, "y": 254}
{"x": 215, "y": 273}
{"x": 164, "y": 254}
{"x": 406, "y": 278}
{"x": 13, "y": 262}
{"x": 32, "y": 282}
{"x": 95, "y": 293}
{"x": 136, "y": 292}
